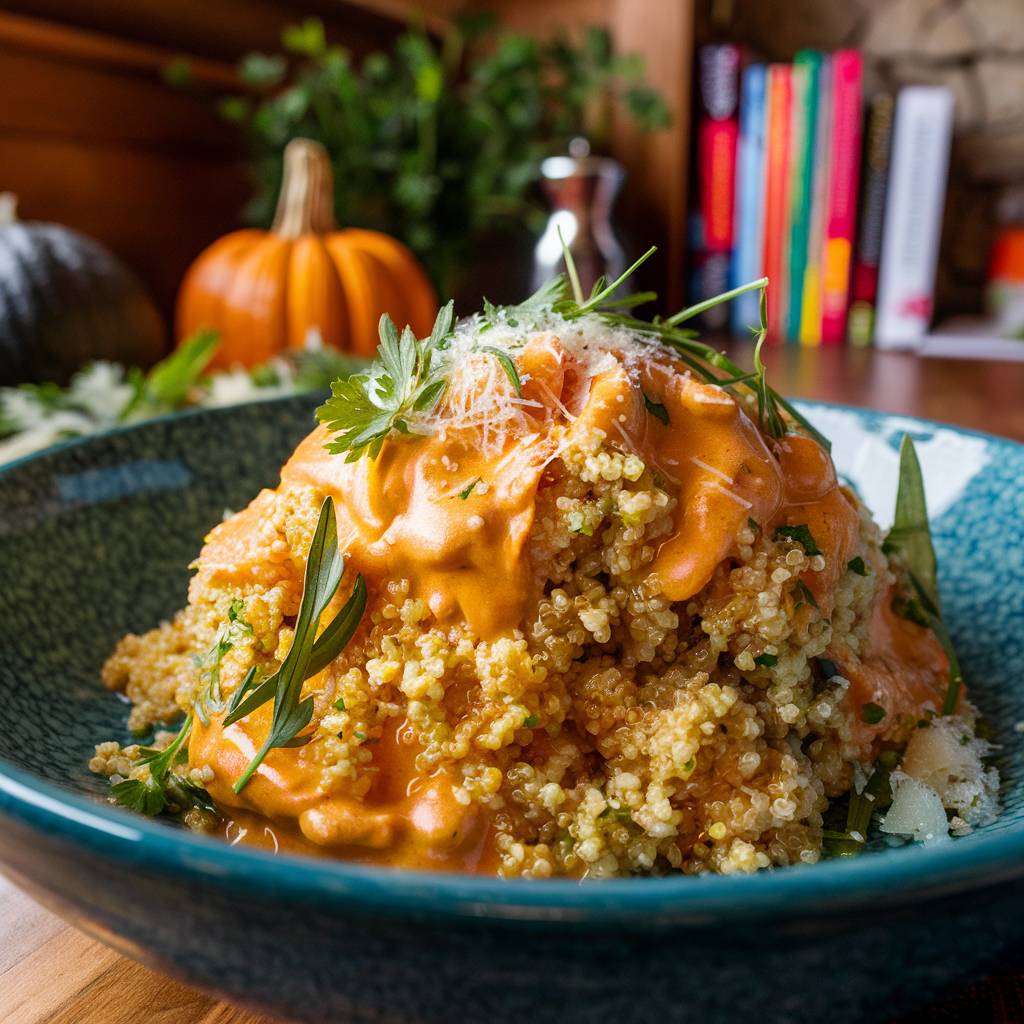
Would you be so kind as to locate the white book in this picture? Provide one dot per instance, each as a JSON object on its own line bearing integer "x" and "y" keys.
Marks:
{"x": 922, "y": 132}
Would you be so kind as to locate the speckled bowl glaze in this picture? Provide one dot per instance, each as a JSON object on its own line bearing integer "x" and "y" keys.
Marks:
{"x": 95, "y": 540}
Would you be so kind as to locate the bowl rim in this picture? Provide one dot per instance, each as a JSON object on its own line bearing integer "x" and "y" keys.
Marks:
{"x": 877, "y": 880}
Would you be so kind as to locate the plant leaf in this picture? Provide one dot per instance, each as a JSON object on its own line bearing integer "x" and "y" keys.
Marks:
{"x": 307, "y": 655}
{"x": 911, "y": 540}
{"x": 507, "y": 365}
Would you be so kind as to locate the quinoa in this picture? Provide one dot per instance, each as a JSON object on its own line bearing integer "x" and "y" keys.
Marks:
{"x": 615, "y": 732}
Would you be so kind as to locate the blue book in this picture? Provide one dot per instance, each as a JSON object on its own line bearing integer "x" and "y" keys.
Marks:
{"x": 748, "y": 250}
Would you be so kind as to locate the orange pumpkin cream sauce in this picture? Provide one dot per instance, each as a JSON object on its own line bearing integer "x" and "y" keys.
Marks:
{"x": 472, "y": 559}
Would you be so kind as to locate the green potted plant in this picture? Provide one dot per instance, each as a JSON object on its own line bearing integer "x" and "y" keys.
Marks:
{"x": 437, "y": 140}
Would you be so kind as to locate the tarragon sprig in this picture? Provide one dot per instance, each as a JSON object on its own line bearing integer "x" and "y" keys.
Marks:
{"x": 695, "y": 354}
{"x": 308, "y": 653}
{"x": 910, "y": 540}
{"x": 403, "y": 379}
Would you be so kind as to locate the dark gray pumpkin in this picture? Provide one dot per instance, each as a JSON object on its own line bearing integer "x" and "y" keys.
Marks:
{"x": 66, "y": 300}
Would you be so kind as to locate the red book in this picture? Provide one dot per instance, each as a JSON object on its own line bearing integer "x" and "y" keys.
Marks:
{"x": 717, "y": 153}
{"x": 840, "y": 220}
{"x": 777, "y": 188}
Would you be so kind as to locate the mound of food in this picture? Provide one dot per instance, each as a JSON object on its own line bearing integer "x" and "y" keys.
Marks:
{"x": 620, "y": 618}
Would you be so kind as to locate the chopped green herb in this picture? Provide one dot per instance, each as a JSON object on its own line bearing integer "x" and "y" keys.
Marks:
{"x": 578, "y": 523}
{"x": 803, "y": 590}
{"x": 359, "y": 735}
{"x": 872, "y": 713}
{"x": 657, "y": 410}
{"x": 877, "y": 794}
{"x": 754, "y": 525}
{"x": 688, "y": 767}
{"x": 530, "y": 722}
{"x": 766, "y": 660}
{"x": 469, "y": 490}
{"x": 800, "y": 535}
{"x": 308, "y": 654}
{"x": 857, "y": 566}
{"x": 339, "y": 704}
{"x": 622, "y": 814}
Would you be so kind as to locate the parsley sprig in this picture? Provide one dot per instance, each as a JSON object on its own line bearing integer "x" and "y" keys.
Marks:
{"x": 162, "y": 787}
{"x": 910, "y": 540}
{"x": 308, "y": 653}
{"x": 404, "y": 378}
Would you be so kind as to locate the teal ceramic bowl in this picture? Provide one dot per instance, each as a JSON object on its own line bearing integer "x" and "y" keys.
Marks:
{"x": 95, "y": 540}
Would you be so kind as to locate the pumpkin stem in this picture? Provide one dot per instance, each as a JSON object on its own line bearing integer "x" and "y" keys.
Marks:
{"x": 306, "y": 203}
{"x": 8, "y": 208}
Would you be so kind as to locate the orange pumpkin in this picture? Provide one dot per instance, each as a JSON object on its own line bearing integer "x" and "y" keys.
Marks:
{"x": 266, "y": 291}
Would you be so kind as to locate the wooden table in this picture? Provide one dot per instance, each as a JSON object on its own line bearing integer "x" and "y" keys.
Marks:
{"x": 52, "y": 974}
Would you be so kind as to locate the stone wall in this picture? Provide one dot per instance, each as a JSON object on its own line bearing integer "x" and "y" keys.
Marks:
{"x": 976, "y": 47}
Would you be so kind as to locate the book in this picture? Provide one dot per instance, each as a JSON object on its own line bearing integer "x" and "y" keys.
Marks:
{"x": 810, "y": 309}
{"x": 864, "y": 280}
{"x": 716, "y": 148}
{"x": 777, "y": 181}
{"x": 844, "y": 167}
{"x": 912, "y": 225}
{"x": 806, "y": 66}
{"x": 748, "y": 248}
{"x": 715, "y": 167}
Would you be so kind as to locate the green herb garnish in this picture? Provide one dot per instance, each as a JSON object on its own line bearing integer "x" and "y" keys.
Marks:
{"x": 507, "y": 365}
{"x": 657, "y": 410}
{"x": 464, "y": 494}
{"x": 754, "y": 525}
{"x": 876, "y": 795}
{"x": 766, "y": 661}
{"x": 804, "y": 591}
{"x": 857, "y": 566}
{"x": 531, "y": 721}
{"x": 872, "y": 713}
{"x": 149, "y": 794}
{"x": 577, "y": 523}
{"x": 308, "y": 654}
{"x": 910, "y": 540}
{"x": 402, "y": 379}
{"x": 208, "y": 698}
{"x": 800, "y": 535}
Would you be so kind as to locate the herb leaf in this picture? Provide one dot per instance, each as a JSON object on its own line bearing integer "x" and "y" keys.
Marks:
{"x": 307, "y": 655}
{"x": 799, "y": 534}
{"x": 507, "y": 365}
{"x": 657, "y": 410}
{"x": 911, "y": 541}
{"x": 367, "y": 407}
{"x": 148, "y": 795}
{"x": 464, "y": 494}
{"x": 857, "y": 566}
{"x": 872, "y": 713}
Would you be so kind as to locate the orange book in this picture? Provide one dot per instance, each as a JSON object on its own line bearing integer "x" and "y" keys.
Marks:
{"x": 777, "y": 197}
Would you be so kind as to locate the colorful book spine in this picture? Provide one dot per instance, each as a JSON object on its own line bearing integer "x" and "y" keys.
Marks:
{"x": 847, "y": 98}
{"x": 748, "y": 250}
{"x": 810, "y": 310}
{"x": 777, "y": 180}
{"x": 717, "y": 131}
{"x": 922, "y": 133}
{"x": 806, "y": 66}
{"x": 717, "y": 155}
{"x": 864, "y": 280}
